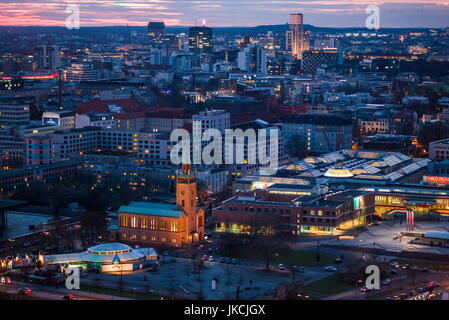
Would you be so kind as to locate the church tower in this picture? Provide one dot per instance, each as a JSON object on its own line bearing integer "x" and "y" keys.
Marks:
{"x": 186, "y": 189}
{"x": 186, "y": 200}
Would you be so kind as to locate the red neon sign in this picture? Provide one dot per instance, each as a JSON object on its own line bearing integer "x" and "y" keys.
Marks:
{"x": 437, "y": 179}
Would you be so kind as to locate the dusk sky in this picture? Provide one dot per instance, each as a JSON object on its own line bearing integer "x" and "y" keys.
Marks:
{"x": 323, "y": 13}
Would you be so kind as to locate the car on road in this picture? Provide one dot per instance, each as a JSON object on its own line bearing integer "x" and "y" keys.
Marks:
{"x": 396, "y": 298}
{"x": 298, "y": 269}
{"x": 24, "y": 291}
{"x": 221, "y": 260}
{"x": 413, "y": 293}
{"x": 209, "y": 250}
{"x": 338, "y": 260}
{"x": 234, "y": 261}
{"x": 205, "y": 257}
{"x": 403, "y": 296}
{"x": 281, "y": 266}
{"x": 386, "y": 281}
{"x": 395, "y": 264}
{"x": 5, "y": 280}
{"x": 434, "y": 284}
{"x": 68, "y": 297}
{"x": 365, "y": 289}
{"x": 392, "y": 271}
{"x": 405, "y": 266}
{"x": 330, "y": 269}
{"x": 421, "y": 290}
{"x": 211, "y": 258}
{"x": 424, "y": 269}
{"x": 187, "y": 256}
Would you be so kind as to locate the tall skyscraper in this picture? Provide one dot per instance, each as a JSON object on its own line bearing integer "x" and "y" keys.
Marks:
{"x": 200, "y": 41}
{"x": 156, "y": 29}
{"x": 49, "y": 57}
{"x": 295, "y": 36}
{"x": 253, "y": 59}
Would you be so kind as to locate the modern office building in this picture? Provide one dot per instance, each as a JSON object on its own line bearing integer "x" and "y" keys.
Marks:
{"x": 49, "y": 57}
{"x": 253, "y": 59}
{"x": 156, "y": 29}
{"x": 63, "y": 119}
{"x": 82, "y": 72}
{"x": 38, "y": 150}
{"x": 319, "y": 133}
{"x": 315, "y": 59}
{"x": 295, "y": 36}
{"x": 200, "y": 41}
{"x": 14, "y": 113}
{"x": 439, "y": 150}
{"x": 283, "y": 209}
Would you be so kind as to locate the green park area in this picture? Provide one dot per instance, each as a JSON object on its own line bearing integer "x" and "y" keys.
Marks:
{"x": 326, "y": 287}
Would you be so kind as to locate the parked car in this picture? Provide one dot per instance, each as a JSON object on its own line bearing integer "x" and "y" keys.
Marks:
{"x": 211, "y": 258}
{"x": 421, "y": 290}
{"x": 281, "y": 266}
{"x": 228, "y": 260}
{"x": 413, "y": 293}
{"x": 209, "y": 250}
{"x": 24, "y": 291}
{"x": 403, "y": 296}
{"x": 205, "y": 258}
{"x": 386, "y": 281}
{"x": 330, "y": 269}
{"x": 221, "y": 260}
{"x": 234, "y": 261}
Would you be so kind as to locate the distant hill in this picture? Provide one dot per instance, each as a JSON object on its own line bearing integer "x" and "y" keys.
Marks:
{"x": 280, "y": 28}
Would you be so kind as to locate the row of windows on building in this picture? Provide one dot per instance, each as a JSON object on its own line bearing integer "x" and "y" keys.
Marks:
{"x": 134, "y": 236}
{"x": 152, "y": 224}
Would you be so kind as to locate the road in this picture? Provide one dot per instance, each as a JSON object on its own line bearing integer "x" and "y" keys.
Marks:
{"x": 402, "y": 283}
{"x": 51, "y": 293}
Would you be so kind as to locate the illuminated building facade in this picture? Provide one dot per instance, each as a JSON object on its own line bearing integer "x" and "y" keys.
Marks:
{"x": 200, "y": 41}
{"x": 166, "y": 225}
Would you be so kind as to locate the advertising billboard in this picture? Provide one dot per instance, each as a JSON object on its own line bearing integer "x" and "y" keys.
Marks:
{"x": 51, "y": 121}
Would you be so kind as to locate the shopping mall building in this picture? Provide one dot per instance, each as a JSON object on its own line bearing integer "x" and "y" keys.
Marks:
{"x": 334, "y": 192}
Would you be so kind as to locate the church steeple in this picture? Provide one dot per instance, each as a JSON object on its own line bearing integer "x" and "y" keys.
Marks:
{"x": 186, "y": 189}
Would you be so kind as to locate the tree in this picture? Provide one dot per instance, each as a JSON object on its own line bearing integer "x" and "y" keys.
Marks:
{"x": 201, "y": 188}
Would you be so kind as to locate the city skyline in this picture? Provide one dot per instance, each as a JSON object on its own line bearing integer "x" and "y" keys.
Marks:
{"x": 320, "y": 13}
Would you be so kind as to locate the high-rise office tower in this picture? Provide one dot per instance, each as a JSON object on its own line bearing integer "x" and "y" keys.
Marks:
{"x": 156, "y": 29}
{"x": 200, "y": 41}
{"x": 295, "y": 36}
{"x": 253, "y": 59}
{"x": 49, "y": 57}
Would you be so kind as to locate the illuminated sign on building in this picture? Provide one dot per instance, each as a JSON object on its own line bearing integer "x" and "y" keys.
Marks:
{"x": 436, "y": 179}
{"x": 51, "y": 121}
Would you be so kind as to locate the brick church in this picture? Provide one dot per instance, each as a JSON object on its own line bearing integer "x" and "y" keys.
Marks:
{"x": 161, "y": 224}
